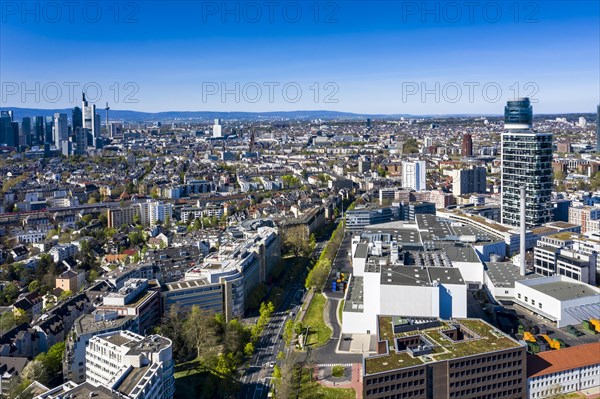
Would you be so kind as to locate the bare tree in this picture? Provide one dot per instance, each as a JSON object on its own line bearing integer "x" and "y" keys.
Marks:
{"x": 199, "y": 330}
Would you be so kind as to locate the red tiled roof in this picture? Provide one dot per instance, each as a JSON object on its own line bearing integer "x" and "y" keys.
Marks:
{"x": 563, "y": 359}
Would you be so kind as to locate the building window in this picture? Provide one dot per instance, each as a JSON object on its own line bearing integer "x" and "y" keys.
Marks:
{"x": 540, "y": 305}
{"x": 533, "y": 302}
{"x": 525, "y": 299}
{"x": 519, "y": 296}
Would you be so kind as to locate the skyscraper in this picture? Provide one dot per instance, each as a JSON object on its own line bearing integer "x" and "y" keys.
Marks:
{"x": 61, "y": 130}
{"x": 77, "y": 118}
{"x": 413, "y": 175}
{"x": 598, "y": 129}
{"x": 5, "y": 128}
{"x": 526, "y": 161}
{"x": 81, "y": 139}
{"x": 91, "y": 120}
{"x": 26, "y": 132}
{"x": 467, "y": 145}
{"x": 38, "y": 130}
{"x": 217, "y": 129}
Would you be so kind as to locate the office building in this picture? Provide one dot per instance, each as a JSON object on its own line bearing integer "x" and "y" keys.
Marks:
{"x": 77, "y": 118}
{"x": 25, "y": 138}
{"x": 224, "y": 279}
{"x": 38, "y": 130}
{"x": 137, "y": 297}
{"x": 467, "y": 181}
{"x": 132, "y": 365}
{"x": 588, "y": 217}
{"x": 558, "y": 373}
{"x": 567, "y": 254}
{"x": 217, "y": 129}
{"x": 81, "y": 141}
{"x": 91, "y": 121}
{"x": 6, "y": 130}
{"x": 86, "y": 327}
{"x": 467, "y": 145}
{"x": 526, "y": 161}
{"x": 61, "y": 130}
{"x": 433, "y": 358}
{"x": 414, "y": 175}
{"x": 598, "y": 129}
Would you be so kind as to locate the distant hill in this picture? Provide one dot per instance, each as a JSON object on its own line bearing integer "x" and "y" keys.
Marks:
{"x": 137, "y": 116}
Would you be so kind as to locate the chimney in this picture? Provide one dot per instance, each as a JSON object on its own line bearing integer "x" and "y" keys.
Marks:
{"x": 523, "y": 232}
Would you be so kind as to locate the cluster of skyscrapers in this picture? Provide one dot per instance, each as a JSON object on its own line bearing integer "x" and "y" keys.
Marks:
{"x": 53, "y": 133}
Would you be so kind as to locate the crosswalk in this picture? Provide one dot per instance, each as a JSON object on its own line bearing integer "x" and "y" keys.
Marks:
{"x": 333, "y": 364}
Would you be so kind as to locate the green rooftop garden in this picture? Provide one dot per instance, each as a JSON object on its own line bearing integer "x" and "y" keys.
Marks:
{"x": 488, "y": 339}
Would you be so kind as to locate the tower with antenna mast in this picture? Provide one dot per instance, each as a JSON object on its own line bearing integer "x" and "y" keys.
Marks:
{"x": 107, "y": 108}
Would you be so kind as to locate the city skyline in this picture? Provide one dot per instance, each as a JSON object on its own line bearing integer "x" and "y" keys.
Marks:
{"x": 338, "y": 56}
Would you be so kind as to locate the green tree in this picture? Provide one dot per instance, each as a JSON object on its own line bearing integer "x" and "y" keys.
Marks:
{"x": 33, "y": 286}
{"x": 288, "y": 331}
{"x": 11, "y": 292}
{"x": 199, "y": 331}
{"x": 65, "y": 295}
{"x": 7, "y": 322}
{"x": 249, "y": 349}
{"x": 93, "y": 276}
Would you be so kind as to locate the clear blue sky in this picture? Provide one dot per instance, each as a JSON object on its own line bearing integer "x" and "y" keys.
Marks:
{"x": 356, "y": 56}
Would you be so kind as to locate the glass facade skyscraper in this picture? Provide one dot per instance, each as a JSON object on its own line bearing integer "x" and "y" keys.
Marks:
{"x": 526, "y": 161}
{"x": 518, "y": 114}
{"x": 598, "y": 129}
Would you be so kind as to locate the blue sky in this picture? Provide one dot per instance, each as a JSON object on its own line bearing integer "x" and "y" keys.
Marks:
{"x": 357, "y": 56}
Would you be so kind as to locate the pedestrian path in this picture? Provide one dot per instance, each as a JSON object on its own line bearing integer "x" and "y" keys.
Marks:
{"x": 333, "y": 364}
{"x": 354, "y": 383}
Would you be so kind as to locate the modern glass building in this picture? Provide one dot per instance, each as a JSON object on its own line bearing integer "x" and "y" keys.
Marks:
{"x": 526, "y": 160}
{"x": 598, "y": 129}
{"x": 518, "y": 114}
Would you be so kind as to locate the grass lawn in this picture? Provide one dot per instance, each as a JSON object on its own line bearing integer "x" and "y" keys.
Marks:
{"x": 313, "y": 390}
{"x": 338, "y": 371}
{"x": 319, "y": 331}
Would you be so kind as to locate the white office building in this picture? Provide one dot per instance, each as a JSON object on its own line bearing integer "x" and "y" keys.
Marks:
{"x": 61, "y": 130}
{"x": 217, "y": 129}
{"x": 136, "y": 366}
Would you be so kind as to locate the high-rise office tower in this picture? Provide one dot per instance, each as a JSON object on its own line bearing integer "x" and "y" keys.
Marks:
{"x": 38, "y": 130}
{"x": 26, "y": 132}
{"x": 77, "y": 118}
{"x": 217, "y": 129}
{"x": 598, "y": 129}
{"x": 413, "y": 175}
{"x": 467, "y": 145}
{"x": 61, "y": 130}
{"x": 526, "y": 161}
{"x": 81, "y": 140}
{"x": 5, "y": 128}
{"x": 91, "y": 120}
